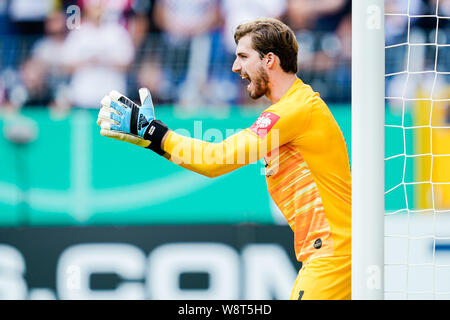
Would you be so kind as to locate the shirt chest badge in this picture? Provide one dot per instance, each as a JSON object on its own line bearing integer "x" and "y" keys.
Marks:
{"x": 264, "y": 123}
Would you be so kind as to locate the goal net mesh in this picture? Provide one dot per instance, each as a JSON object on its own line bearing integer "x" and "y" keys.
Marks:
{"x": 417, "y": 149}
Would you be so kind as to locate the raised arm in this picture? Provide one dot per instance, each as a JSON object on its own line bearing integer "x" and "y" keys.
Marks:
{"x": 215, "y": 159}
{"x": 123, "y": 120}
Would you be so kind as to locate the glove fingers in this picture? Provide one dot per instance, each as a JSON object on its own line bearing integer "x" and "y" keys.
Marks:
{"x": 115, "y": 95}
{"x": 115, "y": 117}
{"x": 106, "y": 105}
{"x": 118, "y": 107}
{"x": 145, "y": 97}
{"x": 115, "y": 102}
{"x": 104, "y": 114}
{"x": 105, "y": 125}
{"x": 105, "y": 102}
{"x": 115, "y": 127}
{"x": 121, "y": 114}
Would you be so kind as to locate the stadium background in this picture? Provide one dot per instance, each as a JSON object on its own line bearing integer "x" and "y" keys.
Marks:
{"x": 74, "y": 205}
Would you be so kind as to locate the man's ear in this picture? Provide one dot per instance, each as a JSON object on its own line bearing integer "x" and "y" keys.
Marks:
{"x": 271, "y": 60}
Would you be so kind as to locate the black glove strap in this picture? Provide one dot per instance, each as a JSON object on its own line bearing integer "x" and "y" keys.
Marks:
{"x": 155, "y": 133}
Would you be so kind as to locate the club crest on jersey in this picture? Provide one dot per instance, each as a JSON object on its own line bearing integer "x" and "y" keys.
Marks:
{"x": 264, "y": 123}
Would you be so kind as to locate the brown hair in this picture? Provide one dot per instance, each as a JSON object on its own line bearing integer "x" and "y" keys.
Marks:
{"x": 271, "y": 35}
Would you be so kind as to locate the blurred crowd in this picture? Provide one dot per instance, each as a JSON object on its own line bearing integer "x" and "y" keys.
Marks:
{"x": 417, "y": 36}
{"x": 70, "y": 53}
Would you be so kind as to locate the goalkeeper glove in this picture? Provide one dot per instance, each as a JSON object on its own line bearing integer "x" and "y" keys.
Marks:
{"x": 122, "y": 119}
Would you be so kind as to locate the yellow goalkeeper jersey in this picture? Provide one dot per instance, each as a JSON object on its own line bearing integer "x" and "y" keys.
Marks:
{"x": 307, "y": 168}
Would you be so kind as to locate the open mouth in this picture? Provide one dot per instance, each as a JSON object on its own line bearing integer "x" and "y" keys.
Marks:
{"x": 244, "y": 76}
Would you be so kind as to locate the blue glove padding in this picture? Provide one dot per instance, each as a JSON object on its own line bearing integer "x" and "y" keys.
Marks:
{"x": 131, "y": 118}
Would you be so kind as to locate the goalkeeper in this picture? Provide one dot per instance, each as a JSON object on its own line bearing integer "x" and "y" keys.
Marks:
{"x": 307, "y": 167}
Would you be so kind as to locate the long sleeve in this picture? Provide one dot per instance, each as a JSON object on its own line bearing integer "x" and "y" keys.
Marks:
{"x": 215, "y": 159}
{"x": 276, "y": 126}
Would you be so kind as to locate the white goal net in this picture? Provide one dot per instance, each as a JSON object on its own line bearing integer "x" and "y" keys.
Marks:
{"x": 417, "y": 149}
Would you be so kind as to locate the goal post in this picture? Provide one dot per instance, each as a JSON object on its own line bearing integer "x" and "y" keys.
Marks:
{"x": 400, "y": 226}
{"x": 368, "y": 107}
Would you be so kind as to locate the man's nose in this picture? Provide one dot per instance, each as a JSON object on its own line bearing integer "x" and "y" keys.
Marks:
{"x": 236, "y": 67}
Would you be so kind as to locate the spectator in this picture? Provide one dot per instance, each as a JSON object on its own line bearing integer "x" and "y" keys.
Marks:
{"x": 151, "y": 75}
{"x": 24, "y": 22}
{"x": 97, "y": 55}
{"x": 5, "y": 20}
{"x": 183, "y": 50}
{"x": 147, "y": 70}
{"x": 187, "y": 26}
{"x": 33, "y": 89}
{"x": 343, "y": 72}
{"x": 238, "y": 11}
{"x": 184, "y": 19}
{"x": 7, "y": 45}
{"x": 322, "y": 61}
{"x": 49, "y": 49}
{"x": 28, "y": 16}
{"x": 138, "y": 27}
{"x": 305, "y": 14}
{"x": 396, "y": 29}
{"x": 396, "y": 25}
